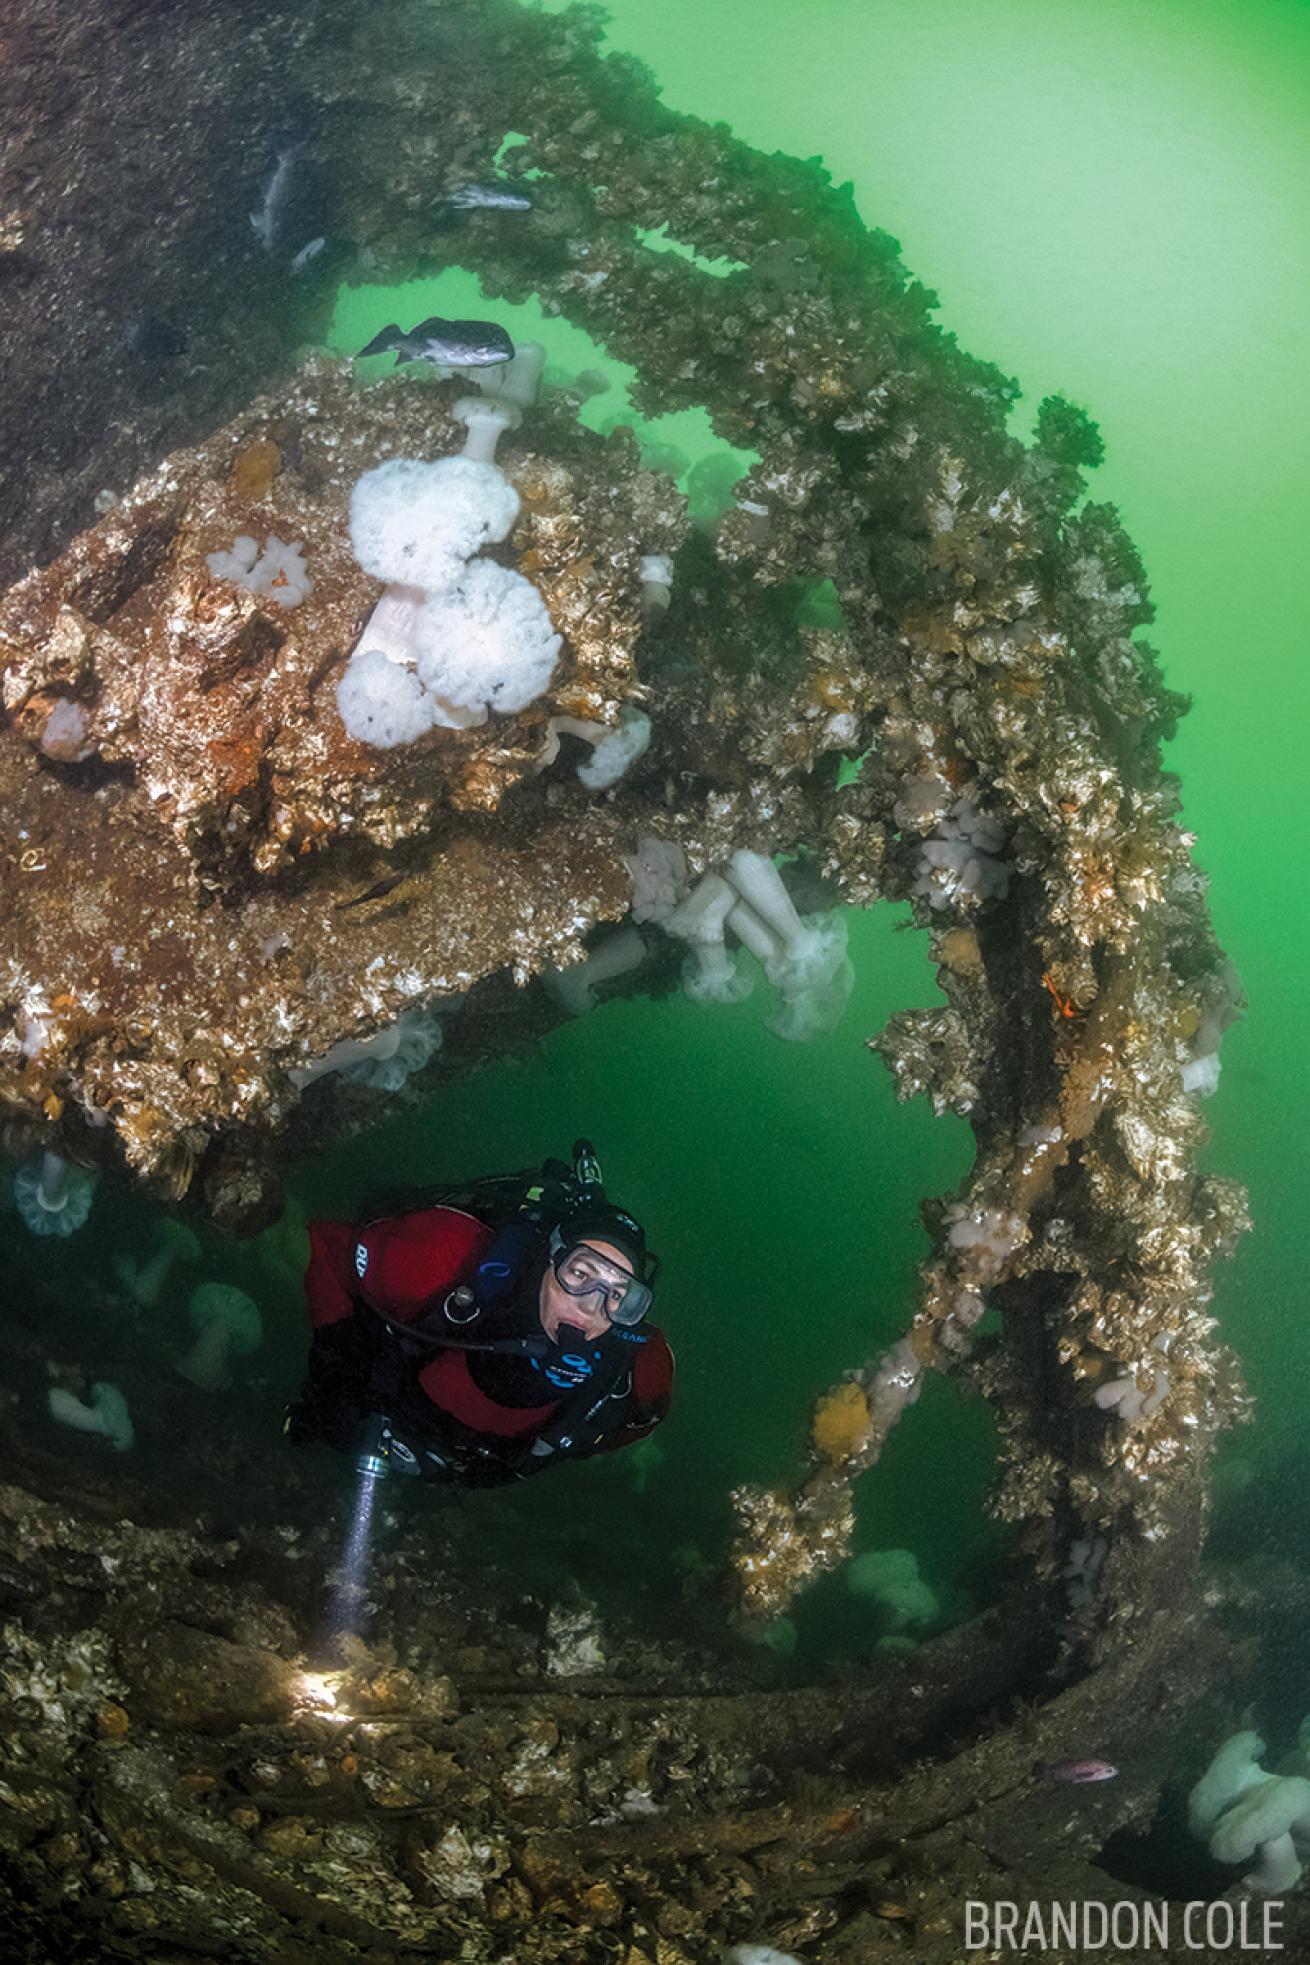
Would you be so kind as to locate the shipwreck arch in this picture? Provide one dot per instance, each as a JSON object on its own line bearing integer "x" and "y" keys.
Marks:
{"x": 987, "y": 670}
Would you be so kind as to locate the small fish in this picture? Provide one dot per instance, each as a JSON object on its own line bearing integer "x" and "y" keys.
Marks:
{"x": 373, "y": 893}
{"x": 449, "y": 344}
{"x": 1076, "y": 1773}
{"x": 308, "y": 254}
{"x": 291, "y": 221}
{"x": 277, "y": 193}
{"x": 501, "y": 196}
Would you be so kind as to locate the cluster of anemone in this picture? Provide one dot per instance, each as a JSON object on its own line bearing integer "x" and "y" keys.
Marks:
{"x": 453, "y": 637}
{"x": 1138, "y": 1394}
{"x": 278, "y": 572}
{"x": 1248, "y": 1816}
{"x": 890, "y": 1579}
{"x": 225, "y": 1325}
{"x": 803, "y": 957}
{"x": 385, "y": 1058}
{"x": 957, "y": 863}
{"x": 456, "y": 638}
{"x": 983, "y": 1239}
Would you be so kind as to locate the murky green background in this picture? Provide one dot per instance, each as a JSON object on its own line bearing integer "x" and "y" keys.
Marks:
{"x": 1112, "y": 202}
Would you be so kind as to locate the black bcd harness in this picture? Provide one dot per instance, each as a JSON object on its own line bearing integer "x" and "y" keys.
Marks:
{"x": 520, "y": 1209}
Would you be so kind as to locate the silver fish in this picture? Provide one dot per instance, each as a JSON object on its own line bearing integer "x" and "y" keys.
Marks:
{"x": 500, "y": 197}
{"x": 448, "y": 344}
{"x": 291, "y": 223}
{"x": 266, "y": 221}
{"x": 308, "y": 254}
{"x": 1076, "y": 1773}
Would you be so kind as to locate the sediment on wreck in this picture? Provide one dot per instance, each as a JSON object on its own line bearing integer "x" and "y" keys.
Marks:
{"x": 496, "y": 1770}
{"x": 208, "y": 886}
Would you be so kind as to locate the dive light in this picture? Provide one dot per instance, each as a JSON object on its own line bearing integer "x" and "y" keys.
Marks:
{"x": 371, "y": 1458}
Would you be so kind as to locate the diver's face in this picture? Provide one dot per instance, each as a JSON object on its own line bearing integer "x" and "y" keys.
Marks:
{"x": 585, "y": 1313}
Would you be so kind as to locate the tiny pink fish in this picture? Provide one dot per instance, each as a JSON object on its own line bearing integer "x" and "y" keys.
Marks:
{"x": 1075, "y": 1772}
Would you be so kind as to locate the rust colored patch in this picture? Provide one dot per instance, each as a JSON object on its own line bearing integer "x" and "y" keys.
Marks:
{"x": 112, "y": 1721}
{"x": 256, "y": 466}
{"x": 193, "y": 1786}
{"x": 237, "y": 760}
{"x": 1064, "y": 1004}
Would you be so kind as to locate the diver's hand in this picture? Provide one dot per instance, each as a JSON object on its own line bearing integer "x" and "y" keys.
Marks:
{"x": 298, "y": 1427}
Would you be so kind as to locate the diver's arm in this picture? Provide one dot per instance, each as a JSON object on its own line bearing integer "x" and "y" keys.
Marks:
{"x": 335, "y": 1396}
{"x": 648, "y": 1401}
{"x": 328, "y": 1296}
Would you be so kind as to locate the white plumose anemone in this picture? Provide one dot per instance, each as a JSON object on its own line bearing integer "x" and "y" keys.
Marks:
{"x": 489, "y": 644}
{"x": 711, "y": 974}
{"x": 107, "y": 1413}
{"x": 417, "y": 523}
{"x": 382, "y": 703}
{"x": 616, "y": 750}
{"x": 805, "y": 960}
{"x": 227, "y": 1325}
{"x": 54, "y": 1197}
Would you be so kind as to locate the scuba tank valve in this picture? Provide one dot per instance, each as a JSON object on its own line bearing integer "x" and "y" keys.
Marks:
{"x": 586, "y": 1166}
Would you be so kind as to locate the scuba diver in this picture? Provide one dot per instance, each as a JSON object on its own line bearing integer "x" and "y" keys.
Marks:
{"x": 486, "y": 1334}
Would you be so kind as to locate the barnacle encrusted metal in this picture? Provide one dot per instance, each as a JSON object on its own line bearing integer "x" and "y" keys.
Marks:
{"x": 907, "y": 648}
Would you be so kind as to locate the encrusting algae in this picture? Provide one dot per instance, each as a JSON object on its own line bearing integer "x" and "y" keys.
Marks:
{"x": 841, "y": 1423}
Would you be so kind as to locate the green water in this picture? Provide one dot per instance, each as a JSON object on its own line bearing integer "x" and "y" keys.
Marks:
{"x": 1111, "y": 201}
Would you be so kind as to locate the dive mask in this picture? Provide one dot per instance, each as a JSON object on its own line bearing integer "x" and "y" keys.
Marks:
{"x": 583, "y": 1271}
